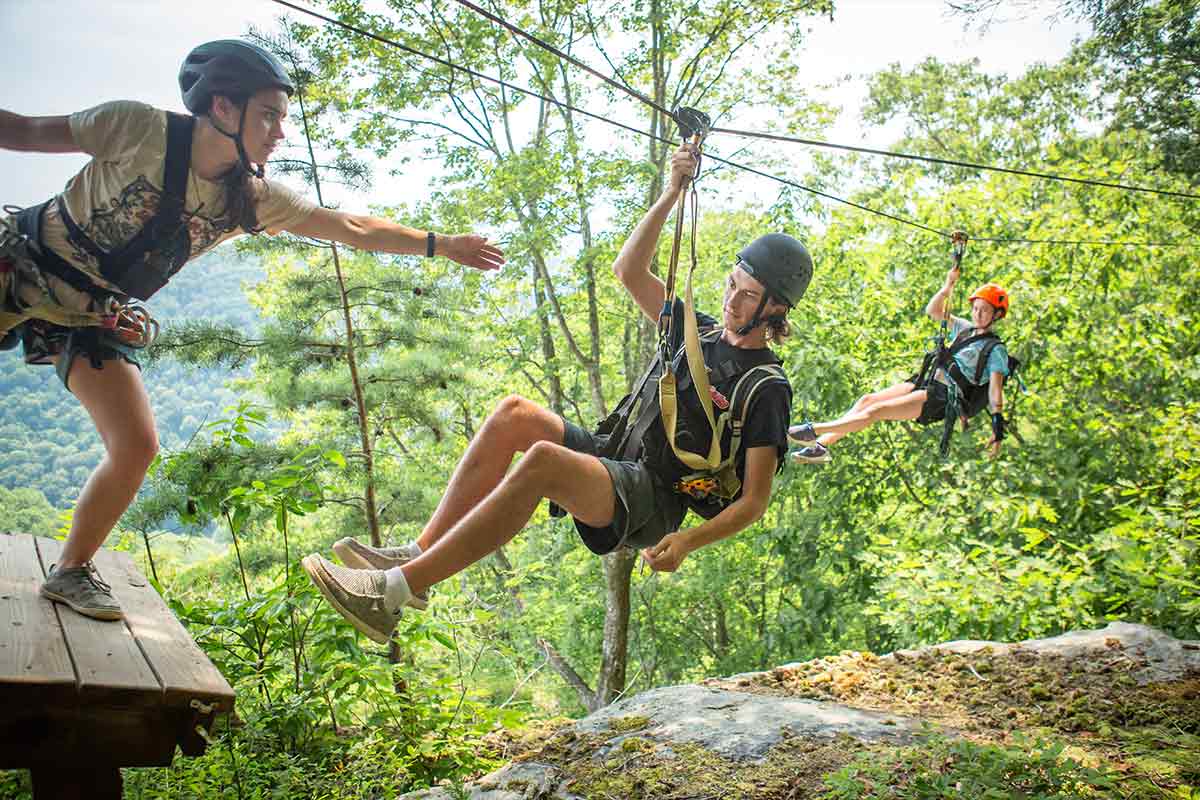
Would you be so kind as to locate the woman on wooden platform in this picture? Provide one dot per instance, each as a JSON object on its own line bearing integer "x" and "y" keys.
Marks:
{"x": 161, "y": 189}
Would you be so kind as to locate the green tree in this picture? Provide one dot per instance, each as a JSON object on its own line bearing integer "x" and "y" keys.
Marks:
{"x": 26, "y": 510}
{"x": 511, "y": 157}
{"x": 1149, "y": 54}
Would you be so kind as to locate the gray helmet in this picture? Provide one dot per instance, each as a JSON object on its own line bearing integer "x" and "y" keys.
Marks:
{"x": 779, "y": 263}
{"x": 229, "y": 67}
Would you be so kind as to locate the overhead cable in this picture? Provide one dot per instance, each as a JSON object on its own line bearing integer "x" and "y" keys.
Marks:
{"x": 1053, "y": 176}
{"x": 624, "y": 87}
{"x": 608, "y": 120}
{"x": 817, "y": 142}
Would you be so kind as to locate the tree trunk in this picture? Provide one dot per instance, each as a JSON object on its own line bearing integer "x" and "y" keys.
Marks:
{"x": 360, "y": 403}
{"x": 618, "y": 567}
{"x": 549, "y": 355}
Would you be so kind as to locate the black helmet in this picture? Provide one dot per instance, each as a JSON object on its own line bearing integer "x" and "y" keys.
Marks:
{"x": 230, "y": 67}
{"x": 779, "y": 263}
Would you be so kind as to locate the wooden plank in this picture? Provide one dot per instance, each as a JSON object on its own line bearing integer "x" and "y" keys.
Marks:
{"x": 34, "y": 661}
{"x": 182, "y": 667}
{"x": 57, "y": 783}
{"x": 92, "y": 736}
{"x": 109, "y": 665}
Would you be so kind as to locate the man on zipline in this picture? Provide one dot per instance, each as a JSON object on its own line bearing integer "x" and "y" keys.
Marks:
{"x": 637, "y": 498}
{"x": 160, "y": 190}
{"x": 974, "y": 366}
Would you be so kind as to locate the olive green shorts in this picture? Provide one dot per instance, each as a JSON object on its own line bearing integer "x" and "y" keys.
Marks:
{"x": 645, "y": 509}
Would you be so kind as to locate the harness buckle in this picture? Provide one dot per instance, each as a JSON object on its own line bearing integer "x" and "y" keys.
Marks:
{"x": 698, "y": 488}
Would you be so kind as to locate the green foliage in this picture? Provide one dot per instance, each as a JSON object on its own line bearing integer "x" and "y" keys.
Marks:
{"x": 945, "y": 768}
{"x": 1090, "y": 515}
{"x": 26, "y": 510}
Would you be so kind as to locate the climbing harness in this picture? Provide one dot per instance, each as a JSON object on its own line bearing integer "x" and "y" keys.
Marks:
{"x": 621, "y": 435}
{"x": 965, "y": 397}
{"x": 693, "y": 126}
{"x": 710, "y": 489}
{"x": 713, "y": 482}
{"x": 164, "y": 236}
{"x": 140, "y": 267}
{"x": 26, "y": 293}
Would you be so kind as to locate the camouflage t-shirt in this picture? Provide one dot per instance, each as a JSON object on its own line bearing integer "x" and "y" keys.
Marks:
{"x": 118, "y": 191}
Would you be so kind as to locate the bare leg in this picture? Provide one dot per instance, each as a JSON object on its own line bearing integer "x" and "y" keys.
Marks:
{"x": 897, "y": 390}
{"x": 577, "y": 482}
{"x": 514, "y": 427}
{"x": 120, "y": 409}
{"x": 904, "y": 407}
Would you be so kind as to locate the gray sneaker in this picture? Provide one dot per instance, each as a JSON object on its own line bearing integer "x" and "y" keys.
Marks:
{"x": 815, "y": 453}
{"x": 354, "y": 553}
{"x": 82, "y": 589}
{"x": 356, "y": 594}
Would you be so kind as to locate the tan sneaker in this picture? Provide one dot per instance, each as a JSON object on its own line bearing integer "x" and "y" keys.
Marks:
{"x": 82, "y": 589}
{"x": 354, "y": 553}
{"x": 356, "y": 594}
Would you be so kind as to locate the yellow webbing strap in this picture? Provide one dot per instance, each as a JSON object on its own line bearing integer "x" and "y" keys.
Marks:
{"x": 728, "y": 484}
{"x": 668, "y": 400}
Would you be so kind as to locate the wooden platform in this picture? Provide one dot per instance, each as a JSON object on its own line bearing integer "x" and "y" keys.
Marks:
{"x": 96, "y": 695}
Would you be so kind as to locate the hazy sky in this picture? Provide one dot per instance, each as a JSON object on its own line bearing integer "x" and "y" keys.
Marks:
{"x": 64, "y": 55}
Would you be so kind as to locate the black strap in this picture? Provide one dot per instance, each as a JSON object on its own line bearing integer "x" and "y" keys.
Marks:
{"x": 943, "y": 357}
{"x": 124, "y": 266}
{"x": 963, "y": 341}
{"x": 630, "y": 446}
{"x": 736, "y": 367}
{"x": 745, "y": 361}
{"x": 984, "y": 355}
{"x": 743, "y": 403}
{"x": 29, "y": 223}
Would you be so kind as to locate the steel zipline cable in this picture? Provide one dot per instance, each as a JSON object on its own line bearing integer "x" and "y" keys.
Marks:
{"x": 629, "y": 128}
{"x": 1053, "y": 176}
{"x": 542, "y": 43}
{"x": 575, "y": 109}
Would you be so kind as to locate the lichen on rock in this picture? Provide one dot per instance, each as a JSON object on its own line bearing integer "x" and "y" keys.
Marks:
{"x": 1119, "y": 706}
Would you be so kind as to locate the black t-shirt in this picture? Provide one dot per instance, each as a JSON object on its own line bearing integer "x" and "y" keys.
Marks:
{"x": 765, "y": 421}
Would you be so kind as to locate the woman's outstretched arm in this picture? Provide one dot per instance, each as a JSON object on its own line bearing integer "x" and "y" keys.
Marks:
{"x": 36, "y": 134}
{"x": 373, "y": 233}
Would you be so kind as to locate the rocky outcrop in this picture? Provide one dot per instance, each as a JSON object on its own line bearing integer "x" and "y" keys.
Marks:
{"x": 775, "y": 733}
{"x": 1155, "y": 656}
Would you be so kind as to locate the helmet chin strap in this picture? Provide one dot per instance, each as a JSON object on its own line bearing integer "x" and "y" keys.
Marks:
{"x": 755, "y": 320}
{"x": 258, "y": 171}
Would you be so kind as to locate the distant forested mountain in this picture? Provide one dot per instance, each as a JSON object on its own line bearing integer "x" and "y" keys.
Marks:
{"x": 47, "y": 441}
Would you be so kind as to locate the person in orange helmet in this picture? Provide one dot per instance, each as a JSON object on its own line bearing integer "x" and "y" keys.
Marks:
{"x": 974, "y": 367}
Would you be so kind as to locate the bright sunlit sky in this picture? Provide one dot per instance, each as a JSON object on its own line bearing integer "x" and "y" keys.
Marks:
{"x": 64, "y": 55}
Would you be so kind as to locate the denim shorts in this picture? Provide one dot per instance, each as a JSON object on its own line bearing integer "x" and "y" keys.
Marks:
{"x": 42, "y": 341}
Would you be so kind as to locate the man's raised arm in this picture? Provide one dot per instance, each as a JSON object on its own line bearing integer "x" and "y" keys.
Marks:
{"x": 632, "y": 266}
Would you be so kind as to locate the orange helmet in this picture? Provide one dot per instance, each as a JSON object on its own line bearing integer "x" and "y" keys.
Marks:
{"x": 994, "y": 294}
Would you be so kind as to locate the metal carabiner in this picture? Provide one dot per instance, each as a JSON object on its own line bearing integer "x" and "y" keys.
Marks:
{"x": 131, "y": 323}
{"x": 958, "y": 245}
